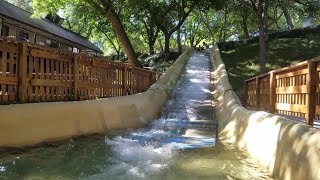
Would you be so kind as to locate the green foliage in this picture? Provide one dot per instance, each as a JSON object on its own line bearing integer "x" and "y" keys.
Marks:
{"x": 242, "y": 63}
{"x": 147, "y": 21}
{"x": 296, "y": 33}
{"x": 23, "y": 4}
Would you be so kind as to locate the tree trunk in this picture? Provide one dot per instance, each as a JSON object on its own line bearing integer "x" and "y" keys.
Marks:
{"x": 119, "y": 29}
{"x": 192, "y": 41}
{"x": 151, "y": 43}
{"x": 225, "y": 24}
{"x": 168, "y": 32}
{"x": 179, "y": 40}
{"x": 288, "y": 18}
{"x": 167, "y": 43}
{"x": 262, "y": 14}
{"x": 245, "y": 26}
{"x": 191, "y": 38}
{"x": 220, "y": 35}
{"x": 186, "y": 37}
{"x": 152, "y": 34}
{"x": 151, "y": 48}
{"x": 118, "y": 54}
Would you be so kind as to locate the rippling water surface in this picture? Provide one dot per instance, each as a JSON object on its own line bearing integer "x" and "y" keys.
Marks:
{"x": 179, "y": 145}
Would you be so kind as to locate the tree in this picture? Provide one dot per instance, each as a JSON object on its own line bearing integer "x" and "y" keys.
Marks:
{"x": 23, "y": 4}
{"x": 143, "y": 22}
{"x": 99, "y": 8}
{"x": 263, "y": 30}
{"x": 81, "y": 23}
{"x": 260, "y": 7}
{"x": 211, "y": 21}
{"x": 111, "y": 36}
{"x": 119, "y": 29}
{"x": 179, "y": 41}
{"x": 169, "y": 17}
{"x": 151, "y": 31}
{"x": 284, "y": 4}
{"x": 194, "y": 30}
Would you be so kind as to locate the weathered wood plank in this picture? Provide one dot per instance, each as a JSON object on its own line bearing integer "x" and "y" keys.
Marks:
{"x": 49, "y": 54}
{"x": 101, "y": 64}
{"x": 317, "y": 110}
{"x": 5, "y": 46}
{"x": 84, "y": 62}
{"x": 292, "y": 89}
{"x": 50, "y": 83}
{"x": 264, "y": 91}
{"x": 48, "y": 77}
{"x": 23, "y": 94}
{"x": 76, "y": 76}
{"x": 311, "y": 93}
{"x": 257, "y": 93}
{"x": 4, "y": 94}
{"x": 8, "y": 80}
{"x": 42, "y": 95}
{"x": 272, "y": 93}
{"x": 4, "y": 63}
{"x": 12, "y": 93}
{"x": 124, "y": 80}
{"x": 291, "y": 74}
{"x": 97, "y": 85}
{"x": 291, "y": 107}
{"x": 11, "y": 64}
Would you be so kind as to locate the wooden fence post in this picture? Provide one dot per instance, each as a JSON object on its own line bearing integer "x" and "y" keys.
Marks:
{"x": 76, "y": 76}
{"x": 257, "y": 93}
{"x": 272, "y": 93}
{"x": 23, "y": 73}
{"x": 154, "y": 78}
{"x": 150, "y": 79}
{"x": 311, "y": 92}
{"x": 124, "y": 79}
{"x": 245, "y": 95}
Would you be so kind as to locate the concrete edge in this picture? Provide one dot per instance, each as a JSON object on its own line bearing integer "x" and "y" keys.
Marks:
{"x": 289, "y": 149}
{"x": 30, "y": 124}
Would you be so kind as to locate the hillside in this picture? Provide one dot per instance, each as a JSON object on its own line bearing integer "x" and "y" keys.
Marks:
{"x": 242, "y": 63}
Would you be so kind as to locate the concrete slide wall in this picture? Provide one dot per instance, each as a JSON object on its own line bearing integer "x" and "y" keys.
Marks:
{"x": 29, "y": 124}
{"x": 289, "y": 149}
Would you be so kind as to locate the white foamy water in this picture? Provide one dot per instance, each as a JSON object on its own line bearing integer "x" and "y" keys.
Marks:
{"x": 147, "y": 152}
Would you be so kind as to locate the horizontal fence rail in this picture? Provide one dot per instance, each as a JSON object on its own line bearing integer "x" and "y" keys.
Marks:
{"x": 31, "y": 73}
{"x": 290, "y": 91}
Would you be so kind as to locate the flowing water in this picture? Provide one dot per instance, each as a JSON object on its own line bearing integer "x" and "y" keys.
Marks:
{"x": 179, "y": 145}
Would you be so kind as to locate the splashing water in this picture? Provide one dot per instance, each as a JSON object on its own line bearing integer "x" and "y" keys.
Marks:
{"x": 148, "y": 151}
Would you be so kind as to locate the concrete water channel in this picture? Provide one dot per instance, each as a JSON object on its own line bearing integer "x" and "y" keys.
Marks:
{"x": 182, "y": 144}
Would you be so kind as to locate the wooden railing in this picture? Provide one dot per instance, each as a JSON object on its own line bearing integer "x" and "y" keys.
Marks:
{"x": 292, "y": 91}
{"x": 30, "y": 73}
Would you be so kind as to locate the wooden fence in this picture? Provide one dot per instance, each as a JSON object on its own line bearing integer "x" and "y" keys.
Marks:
{"x": 30, "y": 73}
{"x": 291, "y": 91}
